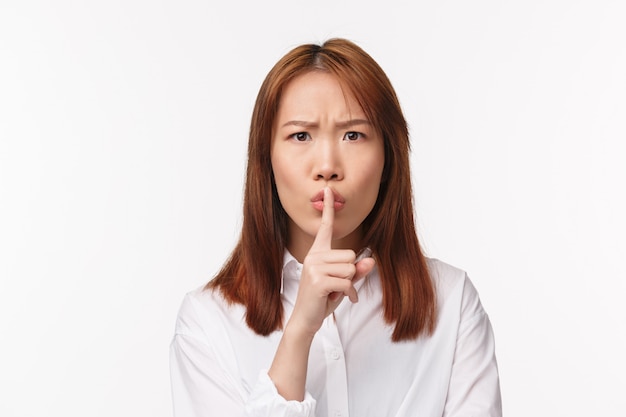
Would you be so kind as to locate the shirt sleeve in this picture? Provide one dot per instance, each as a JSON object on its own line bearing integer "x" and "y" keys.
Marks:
{"x": 200, "y": 387}
{"x": 474, "y": 388}
{"x": 205, "y": 385}
{"x": 265, "y": 401}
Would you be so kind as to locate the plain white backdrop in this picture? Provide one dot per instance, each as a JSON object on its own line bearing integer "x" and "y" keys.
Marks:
{"x": 123, "y": 129}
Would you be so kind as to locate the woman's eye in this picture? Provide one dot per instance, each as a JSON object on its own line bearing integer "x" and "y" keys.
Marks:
{"x": 352, "y": 136}
{"x": 300, "y": 136}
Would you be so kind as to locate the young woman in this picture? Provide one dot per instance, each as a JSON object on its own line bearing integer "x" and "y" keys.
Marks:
{"x": 327, "y": 306}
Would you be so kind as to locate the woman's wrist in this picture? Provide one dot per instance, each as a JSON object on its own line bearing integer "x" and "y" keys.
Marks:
{"x": 299, "y": 333}
{"x": 289, "y": 368}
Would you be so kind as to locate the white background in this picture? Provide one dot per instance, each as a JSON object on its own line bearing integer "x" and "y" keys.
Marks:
{"x": 123, "y": 127}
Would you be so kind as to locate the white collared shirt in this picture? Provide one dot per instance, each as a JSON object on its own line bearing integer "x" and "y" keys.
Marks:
{"x": 219, "y": 365}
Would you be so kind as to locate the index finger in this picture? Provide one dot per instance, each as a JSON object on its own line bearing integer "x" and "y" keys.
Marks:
{"x": 324, "y": 235}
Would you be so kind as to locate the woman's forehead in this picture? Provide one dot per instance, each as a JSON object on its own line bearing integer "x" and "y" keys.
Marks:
{"x": 318, "y": 94}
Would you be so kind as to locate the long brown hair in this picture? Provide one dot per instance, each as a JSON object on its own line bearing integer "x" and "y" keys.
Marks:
{"x": 252, "y": 274}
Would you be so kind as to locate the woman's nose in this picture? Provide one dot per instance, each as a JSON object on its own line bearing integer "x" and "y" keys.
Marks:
{"x": 328, "y": 165}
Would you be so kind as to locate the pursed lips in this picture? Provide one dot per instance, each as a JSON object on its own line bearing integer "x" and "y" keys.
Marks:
{"x": 318, "y": 200}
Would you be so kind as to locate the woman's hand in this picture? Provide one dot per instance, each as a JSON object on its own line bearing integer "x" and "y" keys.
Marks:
{"x": 328, "y": 275}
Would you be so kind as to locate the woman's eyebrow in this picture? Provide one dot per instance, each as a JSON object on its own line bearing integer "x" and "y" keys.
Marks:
{"x": 300, "y": 123}
{"x": 353, "y": 122}
{"x": 346, "y": 124}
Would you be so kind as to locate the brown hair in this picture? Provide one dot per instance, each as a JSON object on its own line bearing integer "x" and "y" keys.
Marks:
{"x": 252, "y": 274}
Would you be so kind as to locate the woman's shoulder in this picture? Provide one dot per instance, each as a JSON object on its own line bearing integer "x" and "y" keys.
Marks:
{"x": 202, "y": 308}
{"x": 445, "y": 275}
{"x": 453, "y": 286}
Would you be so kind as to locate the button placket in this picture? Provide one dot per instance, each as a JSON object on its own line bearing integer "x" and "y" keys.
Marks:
{"x": 336, "y": 375}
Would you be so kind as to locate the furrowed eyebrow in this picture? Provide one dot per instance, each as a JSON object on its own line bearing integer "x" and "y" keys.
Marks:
{"x": 299, "y": 123}
{"x": 354, "y": 122}
{"x": 341, "y": 125}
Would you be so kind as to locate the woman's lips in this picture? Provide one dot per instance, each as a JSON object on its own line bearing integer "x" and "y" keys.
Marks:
{"x": 318, "y": 201}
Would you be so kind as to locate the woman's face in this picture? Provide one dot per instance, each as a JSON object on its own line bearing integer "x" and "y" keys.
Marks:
{"x": 321, "y": 138}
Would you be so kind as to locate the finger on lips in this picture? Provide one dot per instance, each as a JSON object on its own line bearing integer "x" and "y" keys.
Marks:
{"x": 324, "y": 236}
{"x": 340, "y": 265}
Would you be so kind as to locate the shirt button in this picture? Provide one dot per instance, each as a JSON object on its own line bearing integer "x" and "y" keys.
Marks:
{"x": 335, "y": 355}
{"x": 337, "y": 413}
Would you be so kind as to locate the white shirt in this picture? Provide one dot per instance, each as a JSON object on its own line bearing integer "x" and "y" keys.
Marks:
{"x": 219, "y": 365}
